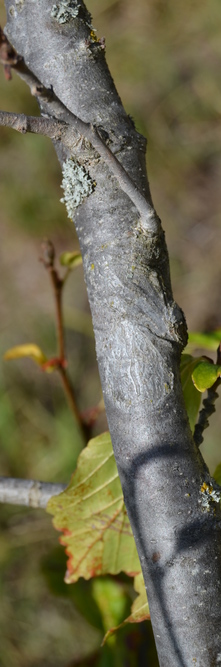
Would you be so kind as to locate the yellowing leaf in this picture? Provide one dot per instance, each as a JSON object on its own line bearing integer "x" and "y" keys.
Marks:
{"x": 28, "y": 350}
{"x": 139, "y": 610}
{"x": 92, "y": 516}
{"x": 205, "y": 375}
{"x": 71, "y": 259}
{"x": 192, "y": 397}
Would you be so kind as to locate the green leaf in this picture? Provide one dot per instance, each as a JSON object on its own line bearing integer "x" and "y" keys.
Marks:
{"x": 71, "y": 259}
{"x": 28, "y": 350}
{"x": 207, "y": 341}
{"x": 205, "y": 375}
{"x": 217, "y": 474}
{"x": 111, "y": 600}
{"x": 192, "y": 397}
{"x": 92, "y": 516}
{"x": 139, "y": 610}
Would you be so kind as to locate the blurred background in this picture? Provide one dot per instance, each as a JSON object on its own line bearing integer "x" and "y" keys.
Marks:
{"x": 165, "y": 58}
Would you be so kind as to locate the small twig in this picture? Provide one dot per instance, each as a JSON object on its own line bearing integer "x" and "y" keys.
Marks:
{"x": 48, "y": 127}
{"x": 47, "y": 258}
{"x": 60, "y": 362}
{"x": 29, "y": 493}
{"x": 208, "y": 407}
{"x": 69, "y": 391}
{"x": 56, "y": 109}
{"x": 57, "y": 286}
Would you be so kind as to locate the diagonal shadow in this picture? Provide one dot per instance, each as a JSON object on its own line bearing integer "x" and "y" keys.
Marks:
{"x": 195, "y": 533}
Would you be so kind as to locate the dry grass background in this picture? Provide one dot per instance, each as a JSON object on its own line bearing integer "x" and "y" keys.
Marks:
{"x": 165, "y": 59}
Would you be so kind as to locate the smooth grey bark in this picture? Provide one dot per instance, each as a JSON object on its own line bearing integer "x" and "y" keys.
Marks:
{"x": 139, "y": 333}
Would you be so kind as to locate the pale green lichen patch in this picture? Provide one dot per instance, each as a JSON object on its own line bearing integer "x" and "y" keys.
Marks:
{"x": 65, "y": 10}
{"x": 209, "y": 494}
{"x": 77, "y": 185}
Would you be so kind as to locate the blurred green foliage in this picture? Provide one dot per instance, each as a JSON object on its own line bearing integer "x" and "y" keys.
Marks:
{"x": 165, "y": 59}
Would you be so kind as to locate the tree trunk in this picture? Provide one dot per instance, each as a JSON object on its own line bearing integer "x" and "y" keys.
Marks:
{"x": 139, "y": 333}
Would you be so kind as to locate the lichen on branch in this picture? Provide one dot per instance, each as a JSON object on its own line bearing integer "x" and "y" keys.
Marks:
{"x": 65, "y": 10}
{"x": 77, "y": 185}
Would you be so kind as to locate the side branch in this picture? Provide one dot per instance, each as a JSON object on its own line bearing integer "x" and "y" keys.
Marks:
{"x": 48, "y": 127}
{"x": 29, "y": 493}
{"x": 60, "y": 130}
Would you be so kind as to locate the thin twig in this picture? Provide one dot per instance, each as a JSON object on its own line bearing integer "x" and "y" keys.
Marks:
{"x": 69, "y": 391}
{"x": 47, "y": 258}
{"x": 57, "y": 286}
{"x": 48, "y": 127}
{"x": 30, "y": 493}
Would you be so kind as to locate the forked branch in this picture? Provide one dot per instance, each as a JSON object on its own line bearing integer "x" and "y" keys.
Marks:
{"x": 54, "y": 128}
